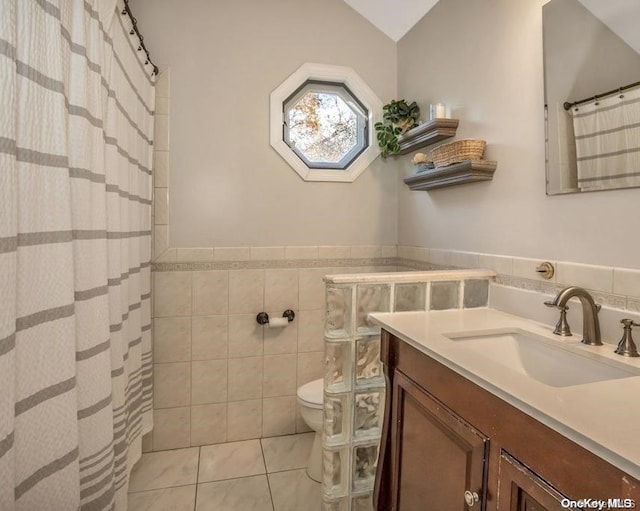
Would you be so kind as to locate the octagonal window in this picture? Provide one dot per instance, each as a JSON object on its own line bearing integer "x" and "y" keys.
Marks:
{"x": 320, "y": 122}
{"x": 325, "y": 125}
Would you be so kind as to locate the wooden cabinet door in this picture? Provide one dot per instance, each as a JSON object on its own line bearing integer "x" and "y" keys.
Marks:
{"x": 520, "y": 489}
{"x": 436, "y": 455}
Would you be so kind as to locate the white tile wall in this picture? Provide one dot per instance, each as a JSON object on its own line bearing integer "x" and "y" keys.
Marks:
{"x": 161, "y": 206}
{"x": 366, "y": 251}
{"x": 214, "y": 361}
{"x": 281, "y": 340}
{"x": 210, "y": 292}
{"x": 161, "y": 242}
{"x": 464, "y": 259}
{"x": 245, "y": 378}
{"x": 301, "y": 252}
{"x": 281, "y": 289}
{"x": 279, "y": 375}
{"x": 246, "y": 291}
{"x": 208, "y": 424}
{"x": 389, "y": 250}
{"x": 278, "y": 416}
{"x": 209, "y": 382}
{"x": 614, "y": 288}
{"x": 521, "y": 290}
{"x": 220, "y": 376}
{"x": 172, "y": 428}
{"x": 195, "y": 254}
{"x": 311, "y": 288}
{"x": 334, "y": 252}
{"x": 172, "y": 385}
{"x": 499, "y": 264}
{"x": 526, "y": 268}
{"x": 209, "y": 337}
{"x": 246, "y": 336}
{"x": 310, "y": 367}
{"x": 626, "y": 282}
{"x": 244, "y": 420}
{"x": 161, "y": 169}
{"x": 443, "y": 257}
{"x": 231, "y": 254}
{"x": 172, "y": 294}
{"x": 267, "y": 253}
{"x": 598, "y": 278}
{"x": 161, "y": 136}
{"x": 311, "y": 330}
{"x": 172, "y": 339}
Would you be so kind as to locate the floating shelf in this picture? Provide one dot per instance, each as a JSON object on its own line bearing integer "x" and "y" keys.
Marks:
{"x": 451, "y": 175}
{"x": 427, "y": 134}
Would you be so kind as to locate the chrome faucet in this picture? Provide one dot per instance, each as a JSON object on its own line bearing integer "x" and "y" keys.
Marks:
{"x": 590, "y": 323}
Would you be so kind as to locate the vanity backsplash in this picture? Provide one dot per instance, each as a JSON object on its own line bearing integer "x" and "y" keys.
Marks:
{"x": 519, "y": 289}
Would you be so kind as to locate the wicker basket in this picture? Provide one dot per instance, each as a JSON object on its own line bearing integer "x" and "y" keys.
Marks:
{"x": 460, "y": 150}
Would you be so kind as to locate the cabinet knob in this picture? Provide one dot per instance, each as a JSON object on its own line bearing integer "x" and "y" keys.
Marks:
{"x": 471, "y": 497}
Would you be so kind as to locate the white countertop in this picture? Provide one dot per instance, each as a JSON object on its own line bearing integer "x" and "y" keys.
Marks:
{"x": 603, "y": 417}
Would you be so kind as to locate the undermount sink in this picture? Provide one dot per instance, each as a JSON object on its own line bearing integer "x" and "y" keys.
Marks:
{"x": 531, "y": 355}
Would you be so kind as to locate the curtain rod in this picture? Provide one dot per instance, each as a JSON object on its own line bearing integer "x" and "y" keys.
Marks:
{"x": 567, "y": 105}
{"x": 135, "y": 31}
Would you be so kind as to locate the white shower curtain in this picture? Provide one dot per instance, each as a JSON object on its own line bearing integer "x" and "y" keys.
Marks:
{"x": 76, "y": 126}
{"x": 607, "y": 134}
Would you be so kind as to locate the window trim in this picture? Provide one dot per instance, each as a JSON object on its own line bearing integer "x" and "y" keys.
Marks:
{"x": 361, "y": 91}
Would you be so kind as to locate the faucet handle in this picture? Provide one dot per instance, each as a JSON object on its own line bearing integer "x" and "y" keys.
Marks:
{"x": 556, "y": 306}
{"x": 626, "y": 346}
{"x": 562, "y": 327}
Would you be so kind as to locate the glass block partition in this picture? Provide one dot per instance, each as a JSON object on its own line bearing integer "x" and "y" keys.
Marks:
{"x": 354, "y": 387}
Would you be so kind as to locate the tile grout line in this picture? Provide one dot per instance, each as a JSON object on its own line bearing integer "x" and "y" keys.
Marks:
{"x": 162, "y": 488}
{"x": 266, "y": 473}
{"x": 195, "y": 500}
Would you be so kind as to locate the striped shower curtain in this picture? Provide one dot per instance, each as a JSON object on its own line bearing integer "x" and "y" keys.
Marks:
{"x": 607, "y": 134}
{"x": 76, "y": 129}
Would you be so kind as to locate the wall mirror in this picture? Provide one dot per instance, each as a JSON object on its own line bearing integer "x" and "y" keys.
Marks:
{"x": 592, "y": 95}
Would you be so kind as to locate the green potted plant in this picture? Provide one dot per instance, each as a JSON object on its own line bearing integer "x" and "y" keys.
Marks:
{"x": 398, "y": 117}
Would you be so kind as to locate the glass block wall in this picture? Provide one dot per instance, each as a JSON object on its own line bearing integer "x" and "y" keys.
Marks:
{"x": 354, "y": 387}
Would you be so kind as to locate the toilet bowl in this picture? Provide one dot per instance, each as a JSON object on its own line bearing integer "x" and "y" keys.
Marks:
{"x": 310, "y": 399}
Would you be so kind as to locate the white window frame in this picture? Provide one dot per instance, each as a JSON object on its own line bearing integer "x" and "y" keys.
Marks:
{"x": 364, "y": 94}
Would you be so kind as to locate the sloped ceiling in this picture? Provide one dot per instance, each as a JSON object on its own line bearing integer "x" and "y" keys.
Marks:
{"x": 621, "y": 16}
{"x": 394, "y": 17}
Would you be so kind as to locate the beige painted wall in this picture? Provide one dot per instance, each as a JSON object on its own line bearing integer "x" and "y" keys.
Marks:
{"x": 485, "y": 58}
{"x": 228, "y": 186}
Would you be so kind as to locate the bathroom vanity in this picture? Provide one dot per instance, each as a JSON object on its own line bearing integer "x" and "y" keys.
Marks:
{"x": 474, "y": 420}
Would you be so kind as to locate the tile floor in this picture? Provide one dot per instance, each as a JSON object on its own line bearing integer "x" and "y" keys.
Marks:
{"x": 253, "y": 475}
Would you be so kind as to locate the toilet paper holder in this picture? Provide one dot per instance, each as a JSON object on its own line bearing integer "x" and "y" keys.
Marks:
{"x": 263, "y": 318}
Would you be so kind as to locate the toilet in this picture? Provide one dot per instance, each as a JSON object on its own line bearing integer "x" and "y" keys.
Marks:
{"x": 310, "y": 398}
